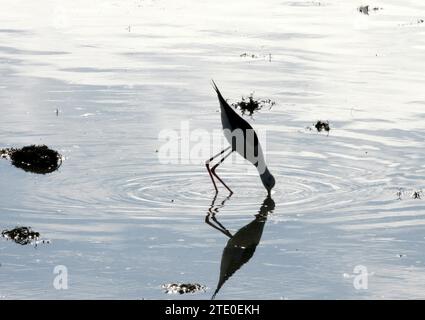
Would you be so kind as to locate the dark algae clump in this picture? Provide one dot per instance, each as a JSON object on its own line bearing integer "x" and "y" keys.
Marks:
{"x": 3, "y": 153}
{"x": 250, "y": 104}
{"x": 36, "y": 159}
{"x": 182, "y": 288}
{"x": 321, "y": 126}
{"x": 21, "y": 235}
{"x": 250, "y": 55}
{"x": 419, "y": 21}
{"x": 417, "y": 194}
{"x": 367, "y": 9}
{"x": 364, "y": 9}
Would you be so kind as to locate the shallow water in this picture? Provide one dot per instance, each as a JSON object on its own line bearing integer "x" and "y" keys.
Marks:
{"x": 124, "y": 223}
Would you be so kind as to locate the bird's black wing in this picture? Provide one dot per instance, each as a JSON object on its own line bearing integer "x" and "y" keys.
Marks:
{"x": 236, "y": 122}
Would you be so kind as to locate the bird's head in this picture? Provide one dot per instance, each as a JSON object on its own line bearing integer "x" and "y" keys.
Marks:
{"x": 268, "y": 181}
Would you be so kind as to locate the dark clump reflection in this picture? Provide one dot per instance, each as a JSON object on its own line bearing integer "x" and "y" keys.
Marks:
{"x": 241, "y": 246}
{"x": 36, "y": 159}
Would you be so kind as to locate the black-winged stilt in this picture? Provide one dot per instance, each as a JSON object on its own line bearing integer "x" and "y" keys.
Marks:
{"x": 243, "y": 139}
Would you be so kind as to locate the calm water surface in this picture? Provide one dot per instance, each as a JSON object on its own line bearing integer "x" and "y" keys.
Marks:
{"x": 123, "y": 223}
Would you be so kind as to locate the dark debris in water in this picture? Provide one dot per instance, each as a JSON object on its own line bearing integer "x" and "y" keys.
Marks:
{"x": 182, "y": 288}
{"x": 321, "y": 126}
{"x": 267, "y": 57}
{"x": 363, "y": 9}
{"x": 250, "y": 105}
{"x": 419, "y": 21}
{"x": 415, "y": 194}
{"x": 248, "y": 55}
{"x": 37, "y": 159}
{"x": 399, "y": 194}
{"x": 4, "y": 153}
{"x": 367, "y": 9}
{"x": 21, "y": 235}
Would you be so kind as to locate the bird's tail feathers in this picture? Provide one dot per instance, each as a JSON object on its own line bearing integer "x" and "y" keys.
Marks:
{"x": 214, "y": 86}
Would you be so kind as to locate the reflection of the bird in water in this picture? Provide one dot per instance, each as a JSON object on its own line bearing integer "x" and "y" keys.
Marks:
{"x": 241, "y": 246}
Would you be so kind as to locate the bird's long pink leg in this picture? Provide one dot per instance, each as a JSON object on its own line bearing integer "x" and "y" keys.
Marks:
{"x": 207, "y": 164}
{"x": 215, "y": 174}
